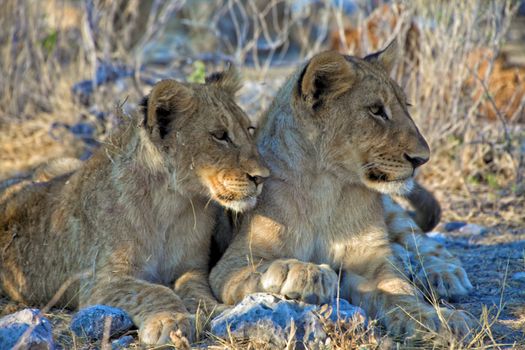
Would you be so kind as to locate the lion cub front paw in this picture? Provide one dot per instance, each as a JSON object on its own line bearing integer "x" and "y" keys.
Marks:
{"x": 434, "y": 269}
{"x": 447, "y": 278}
{"x": 311, "y": 283}
{"x": 167, "y": 327}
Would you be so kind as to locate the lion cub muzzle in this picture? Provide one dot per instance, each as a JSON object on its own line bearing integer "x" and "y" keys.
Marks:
{"x": 236, "y": 189}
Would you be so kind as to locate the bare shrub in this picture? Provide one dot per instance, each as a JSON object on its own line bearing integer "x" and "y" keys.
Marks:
{"x": 456, "y": 81}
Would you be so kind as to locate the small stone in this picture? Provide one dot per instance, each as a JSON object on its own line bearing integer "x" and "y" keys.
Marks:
{"x": 90, "y": 322}
{"x": 473, "y": 229}
{"x": 269, "y": 319}
{"x": 519, "y": 276}
{"x": 437, "y": 236}
{"x": 83, "y": 130}
{"x": 106, "y": 72}
{"x": 28, "y": 329}
{"x": 122, "y": 343}
{"x": 343, "y": 310}
{"x": 454, "y": 225}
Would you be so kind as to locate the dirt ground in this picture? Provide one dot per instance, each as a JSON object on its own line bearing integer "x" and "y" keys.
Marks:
{"x": 494, "y": 262}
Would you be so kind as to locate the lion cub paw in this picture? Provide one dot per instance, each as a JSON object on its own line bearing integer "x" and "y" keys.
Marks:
{"x": 446, "y": 278}
{"x": 167, "y": 327}
{"x": 414, "y": 322}
{"x": 434, "y": 269}
{"x": 408, "y": 322}
{"x": 457, "y": 322}
{"x": 311, "y": 283}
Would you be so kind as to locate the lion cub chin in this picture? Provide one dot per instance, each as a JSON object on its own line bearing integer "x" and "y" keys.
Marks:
{"x": 132, "y": 225}
{"x": 337, "y": 138}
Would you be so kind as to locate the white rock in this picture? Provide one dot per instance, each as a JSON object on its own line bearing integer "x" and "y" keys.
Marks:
{"x": 26, "y": 329}
{"x": 269, "y": 318}
{"x": 519, "y": 276}
{"x": 473, "y": 229}
{"x": 438, "y": 236}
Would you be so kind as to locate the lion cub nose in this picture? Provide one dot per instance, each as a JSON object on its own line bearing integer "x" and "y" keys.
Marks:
{"x": 416, "y": 161}
{"x": 256, "y": 179}
{"x": 259, "y": 175}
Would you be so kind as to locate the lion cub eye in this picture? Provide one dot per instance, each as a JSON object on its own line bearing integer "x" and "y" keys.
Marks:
{"x": 221, "y": 136}
{"x": 378, "y": 111}
{"x": 251, "y": 130}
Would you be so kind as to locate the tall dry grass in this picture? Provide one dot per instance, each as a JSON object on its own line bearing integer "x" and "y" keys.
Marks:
{"x": 50, "y": 45}
{"x": 474, "y": 158}
{"x": 46, "y": 48}
{"x": 450, "y": 51}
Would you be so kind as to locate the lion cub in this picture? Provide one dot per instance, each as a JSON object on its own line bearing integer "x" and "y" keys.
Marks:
{"x": 134, "y": 222}
{"x": 337, "y": 137}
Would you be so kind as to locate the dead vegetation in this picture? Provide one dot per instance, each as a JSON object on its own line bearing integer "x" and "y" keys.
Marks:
{"x": 467, "y": 101}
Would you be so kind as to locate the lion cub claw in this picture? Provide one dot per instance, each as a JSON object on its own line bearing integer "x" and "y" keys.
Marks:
{"x": 168, "y": 327}
{"x": 295, "y": 279}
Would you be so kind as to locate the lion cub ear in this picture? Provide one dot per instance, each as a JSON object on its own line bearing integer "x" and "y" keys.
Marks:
{"x": 229, "y": 80}
{"x": 326, "y": 76}
{"x": 386, "y": 58}
{"x": 167, "y": 99}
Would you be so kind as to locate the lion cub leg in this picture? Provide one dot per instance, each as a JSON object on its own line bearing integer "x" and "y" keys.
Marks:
{"x": 194, "y": 289}
{"x": 252, "y": 265}
{"x": 383, "y": 294}
{"x": 157, "y": 311}
{"x": 428, "y": 263}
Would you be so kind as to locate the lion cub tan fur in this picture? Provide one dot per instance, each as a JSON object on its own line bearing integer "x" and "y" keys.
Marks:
{"x": 336, "y": 138}
{"x": 133, "y": 223}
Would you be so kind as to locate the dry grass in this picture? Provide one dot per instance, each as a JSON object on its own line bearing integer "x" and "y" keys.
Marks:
{"x": 475, "y": 159}
{"x": 452, "y": 75}
{"x": 478, "y": 164}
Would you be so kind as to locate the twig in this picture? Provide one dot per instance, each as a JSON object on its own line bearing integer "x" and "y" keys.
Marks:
{"x": 501, "y": 118}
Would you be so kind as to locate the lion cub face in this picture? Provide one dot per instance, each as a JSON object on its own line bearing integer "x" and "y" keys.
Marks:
{"x": 206, "y": 140}
{"x": 365, "y": 127}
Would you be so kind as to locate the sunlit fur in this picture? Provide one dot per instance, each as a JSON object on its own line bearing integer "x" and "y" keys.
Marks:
{"x": 321, "y": 211}
{"x": 135, "y": 218}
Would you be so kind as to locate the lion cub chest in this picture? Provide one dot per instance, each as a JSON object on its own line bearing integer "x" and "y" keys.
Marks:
{"x": 335, "y": 222}
{"x": 175, "y": 245}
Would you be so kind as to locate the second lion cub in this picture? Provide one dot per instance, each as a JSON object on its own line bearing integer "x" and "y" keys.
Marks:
{"x": 134, "y": 221}
{"x": 336, "y": 138}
